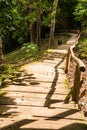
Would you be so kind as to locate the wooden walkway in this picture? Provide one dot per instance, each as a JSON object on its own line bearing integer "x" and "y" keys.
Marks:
{"x": 36, "y": 97}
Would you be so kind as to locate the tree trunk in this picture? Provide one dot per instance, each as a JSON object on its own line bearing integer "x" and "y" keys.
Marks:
{"x": 38, "y": 31}
{"x": 52, "y": 26}
{"x": 32, "y": 29}
{"x": 1, "y": 52}
{"x": 32, "y": 33}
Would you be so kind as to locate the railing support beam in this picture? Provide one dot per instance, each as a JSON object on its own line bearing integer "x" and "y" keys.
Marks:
{"x": 68, "y": 61}
{"x": 77, "y": 85}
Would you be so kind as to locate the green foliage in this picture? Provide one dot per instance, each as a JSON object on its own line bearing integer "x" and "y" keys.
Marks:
{"x": 27, "y": 51}
{"x": 16, "y": 16}
{"x": 5, "y": 69}
{"x": 5, "y": 16}
{"x": 20, "y": 24}
{"x": 6, "y": 72}
{"x": 81, "y": 12}
{"x": 83, "y": 48}
{"x": 46, "y": 20}
{"x": 18, "y": 57}
{"x": 30, "y": 49}
{"x": 46, "y": 15}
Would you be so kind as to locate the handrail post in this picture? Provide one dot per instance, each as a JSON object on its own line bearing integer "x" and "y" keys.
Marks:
{"x": 68, "y": 61}
{"x": 77, "y": 85}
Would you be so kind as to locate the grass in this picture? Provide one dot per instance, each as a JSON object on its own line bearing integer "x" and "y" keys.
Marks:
{"x": 27, "y": 51}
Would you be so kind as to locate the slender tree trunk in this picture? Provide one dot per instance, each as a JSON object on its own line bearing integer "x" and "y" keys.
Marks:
{"x": 52, "y": 26}
{"x": 32, "y": 33}
{"x": 32, "y": 29}
{"x": 1, "y": 51}
{"x": 38, "y": 31}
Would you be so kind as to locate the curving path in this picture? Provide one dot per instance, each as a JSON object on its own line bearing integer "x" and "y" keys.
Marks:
{"x": 36, "y": 99}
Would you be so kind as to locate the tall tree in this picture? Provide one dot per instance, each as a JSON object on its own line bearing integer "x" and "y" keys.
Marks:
{"x": 52, "y": 26}
{"x": 31, "y": 17}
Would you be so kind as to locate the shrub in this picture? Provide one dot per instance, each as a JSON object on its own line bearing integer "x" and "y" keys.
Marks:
{"x": 30, "y": 49}
{"x": 83, "y": 48}
{"x": 6, "y": 72}
{"x": 5, "y": 69}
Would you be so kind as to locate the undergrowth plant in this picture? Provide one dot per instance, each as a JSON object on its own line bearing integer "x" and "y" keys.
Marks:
{"x": 27, "y": 51}
{"x": 82, "y": 48}
{"x": 6, "y": 72}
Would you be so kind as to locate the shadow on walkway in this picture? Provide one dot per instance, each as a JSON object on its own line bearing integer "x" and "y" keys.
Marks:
{"x": 48, "y": 102}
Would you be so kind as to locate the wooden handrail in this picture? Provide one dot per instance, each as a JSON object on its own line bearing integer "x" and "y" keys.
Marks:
{"x": 71, "y": 54}
{"x": 80, "y": 67}
{"x": 77, "y": 60}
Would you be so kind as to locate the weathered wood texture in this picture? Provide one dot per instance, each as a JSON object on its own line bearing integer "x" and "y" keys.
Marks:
{"x": 80, "y": 67}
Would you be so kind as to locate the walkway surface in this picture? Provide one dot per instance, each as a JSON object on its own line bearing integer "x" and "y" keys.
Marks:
{"x": 35, "y": 100}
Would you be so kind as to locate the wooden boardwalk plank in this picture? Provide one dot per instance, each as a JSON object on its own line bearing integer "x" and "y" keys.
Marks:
{"x": 35, "y": 100}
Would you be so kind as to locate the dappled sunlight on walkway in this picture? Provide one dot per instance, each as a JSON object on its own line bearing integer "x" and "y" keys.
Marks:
{"x": 36, "y": 98}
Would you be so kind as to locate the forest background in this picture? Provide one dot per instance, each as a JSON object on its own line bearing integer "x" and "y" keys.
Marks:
{"x": 24, "y": 21}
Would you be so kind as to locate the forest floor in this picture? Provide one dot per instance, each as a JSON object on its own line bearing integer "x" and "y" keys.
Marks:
{"x": 36, "y": 99}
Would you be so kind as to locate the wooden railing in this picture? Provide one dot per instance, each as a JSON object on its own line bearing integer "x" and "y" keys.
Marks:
{"x": 78, "y": 76}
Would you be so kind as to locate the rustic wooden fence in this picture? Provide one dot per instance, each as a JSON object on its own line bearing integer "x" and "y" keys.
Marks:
{"x": 78, "y": 76}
